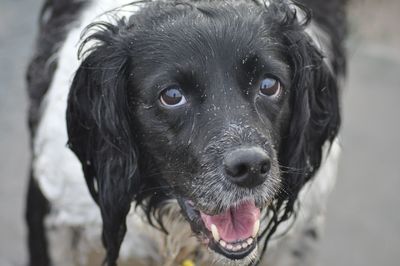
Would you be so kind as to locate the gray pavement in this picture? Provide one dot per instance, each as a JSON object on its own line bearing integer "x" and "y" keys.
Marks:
{"x": 363, "y": 223}
{"x": 17, "y": 31}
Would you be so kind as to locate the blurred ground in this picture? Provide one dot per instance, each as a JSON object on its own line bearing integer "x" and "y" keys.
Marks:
{"x": 363, "y": 226}
{"x": 17, "y": 31}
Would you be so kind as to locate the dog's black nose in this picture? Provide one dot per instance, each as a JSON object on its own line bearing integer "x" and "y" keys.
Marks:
{"x": 247, "y": 167}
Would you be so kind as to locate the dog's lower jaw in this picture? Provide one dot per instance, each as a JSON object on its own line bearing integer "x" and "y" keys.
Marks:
{"x": 181, "y": 243}
{"x": 218, "y": 259}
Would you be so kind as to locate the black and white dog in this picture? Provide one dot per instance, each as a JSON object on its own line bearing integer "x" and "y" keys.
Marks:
{"x": 205, "y": 130}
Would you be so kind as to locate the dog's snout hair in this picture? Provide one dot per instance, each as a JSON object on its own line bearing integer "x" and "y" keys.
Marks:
{"x": 213, "y": 175}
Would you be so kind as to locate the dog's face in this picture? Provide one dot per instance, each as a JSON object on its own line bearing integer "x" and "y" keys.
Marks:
{"x": 195, "y": 102}
{"x": 210, "y": 103}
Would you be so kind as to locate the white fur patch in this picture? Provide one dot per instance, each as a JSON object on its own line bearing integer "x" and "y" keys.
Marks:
{"x": 56, "y": 169}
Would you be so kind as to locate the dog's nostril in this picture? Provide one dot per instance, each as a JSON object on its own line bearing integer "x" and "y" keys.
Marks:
{"x": 236, "y": 170}
{"x": 247, "y": 167}
{"x": 265, "y": 167}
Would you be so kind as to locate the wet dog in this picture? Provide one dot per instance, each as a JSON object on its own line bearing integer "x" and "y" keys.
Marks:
{"x": 206, "y": 129}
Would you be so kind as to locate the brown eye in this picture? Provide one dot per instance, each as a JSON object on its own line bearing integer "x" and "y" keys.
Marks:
{"x": 172, "y": 96}
{"x": 270, "y": 87}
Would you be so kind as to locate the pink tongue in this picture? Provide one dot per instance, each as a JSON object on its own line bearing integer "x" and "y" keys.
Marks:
{"x": 236, "y": 223}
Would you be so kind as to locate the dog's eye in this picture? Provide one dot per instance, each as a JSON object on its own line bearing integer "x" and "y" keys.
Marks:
{"x": 172, "y": 96}
{"x": 270, "y": 87}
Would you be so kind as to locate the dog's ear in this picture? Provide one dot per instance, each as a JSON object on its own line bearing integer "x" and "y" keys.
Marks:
{"x": 315, "y": 110}
{"x": 315, "y": 116}
{"x": 100, "y": 130}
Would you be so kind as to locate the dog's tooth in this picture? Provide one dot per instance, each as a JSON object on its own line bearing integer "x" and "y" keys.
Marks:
{"x": 256, "y": 228}
{"x": 222, "y": 243}
{"x": 249, "y": 241}
{"x": 237, "y": 247}
{"x": 229, "y": 246}
{"x": 244, "y": 245}
{"x": 214, "y": 231}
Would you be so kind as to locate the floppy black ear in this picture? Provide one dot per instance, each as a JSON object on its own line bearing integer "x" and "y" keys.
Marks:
{"x": 315, "y": 111}
{"x": 100, "y": 130}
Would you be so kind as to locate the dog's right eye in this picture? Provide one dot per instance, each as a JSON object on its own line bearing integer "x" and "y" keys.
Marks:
{"x": 172, "y": 97}
{"x": 270, "y": 87}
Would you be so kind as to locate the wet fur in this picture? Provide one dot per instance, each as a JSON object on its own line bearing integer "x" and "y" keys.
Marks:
{"x": 125, "y": 157}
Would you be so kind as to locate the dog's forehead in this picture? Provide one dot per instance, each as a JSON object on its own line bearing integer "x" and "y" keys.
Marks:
{"x": 203, "y": 45}
{"x": 198, "y": 33}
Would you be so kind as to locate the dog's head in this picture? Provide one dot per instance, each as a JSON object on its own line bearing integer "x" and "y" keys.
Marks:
{"x": 223, "y": 106}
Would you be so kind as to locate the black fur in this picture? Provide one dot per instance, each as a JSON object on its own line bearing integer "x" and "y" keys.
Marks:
{"x": 37, "y": 207}
{"x": 133, "y": 149}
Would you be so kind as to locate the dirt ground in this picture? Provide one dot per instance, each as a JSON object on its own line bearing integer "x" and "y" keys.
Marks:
{"x": 363, "y": 226}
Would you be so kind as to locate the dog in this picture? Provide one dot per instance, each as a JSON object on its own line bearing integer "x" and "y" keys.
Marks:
{"x": 205, "y": 131}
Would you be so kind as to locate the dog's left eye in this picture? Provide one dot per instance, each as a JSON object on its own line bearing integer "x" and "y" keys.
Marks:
{"x": 270, "y": 87}
{"x": 172, "y": 96}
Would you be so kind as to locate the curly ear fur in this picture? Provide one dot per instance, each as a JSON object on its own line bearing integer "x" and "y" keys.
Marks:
{"x": 100, "y": 133}
{"x": 315, "y": 111}
{"x": 314, "y": 103}
{"x": 315, "y": 117}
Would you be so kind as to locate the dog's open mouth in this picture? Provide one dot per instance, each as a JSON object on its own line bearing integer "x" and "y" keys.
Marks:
{"x": 231, "y": 233}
